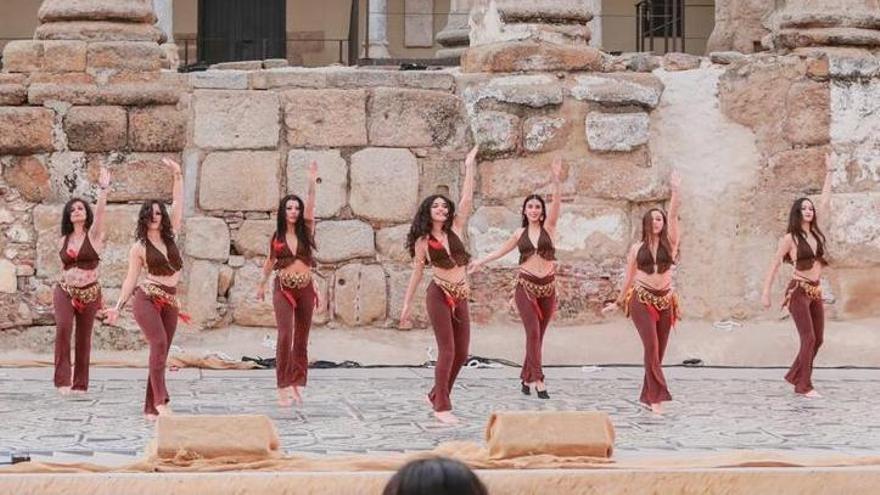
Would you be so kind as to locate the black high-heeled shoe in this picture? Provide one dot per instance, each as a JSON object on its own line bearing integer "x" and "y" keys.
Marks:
{"x": 525, "y": 389}
{"x": 542, "y": 394}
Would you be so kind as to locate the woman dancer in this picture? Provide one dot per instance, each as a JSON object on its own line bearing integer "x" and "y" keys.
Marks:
{"x": 804, "y": 246}
{"x": 535, "y": 293}
{"x": 647, "y": 295}
{"x": 294, "y": 296}
{"x": 77, "y": 297}
{"x": 435, "y": 239}
{"x": 155, "y": 307}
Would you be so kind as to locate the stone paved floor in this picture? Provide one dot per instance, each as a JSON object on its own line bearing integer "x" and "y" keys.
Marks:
{"x": 366, "y": 410}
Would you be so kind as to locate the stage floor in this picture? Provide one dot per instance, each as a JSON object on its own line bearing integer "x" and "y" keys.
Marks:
{"x": 383, "y": 410}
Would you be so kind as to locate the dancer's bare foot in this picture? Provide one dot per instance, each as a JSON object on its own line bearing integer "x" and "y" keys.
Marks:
{"x": 284, "y": 400}
{"x": 446, "y": 417}
{"x": 657, "y": 408}
{"x": 151, "y": 417}
{"x": 812, "y": 394}
{"x": 164, "y": 410}
{"x": 64, "y": 390}
{"x": 295, "y": 395}
{"x": 77, "y": 391}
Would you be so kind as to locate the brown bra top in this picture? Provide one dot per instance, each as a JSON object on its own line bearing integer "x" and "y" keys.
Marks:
{"x": 806, "y": 258}
{"x": 439, "y": 257}
{"x": 160, "y": 265}
{"x": 86, "y": 259}
{"x": 653, "y": 266}
{"x": 284, "y": 257}
{"x": 544, "y": 249}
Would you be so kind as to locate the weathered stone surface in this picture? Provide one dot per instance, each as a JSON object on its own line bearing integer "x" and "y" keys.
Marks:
{"x": 797, "y": 170}
{"x": 96, "y": 129}
{"x": 90, "y": 30}
{"x": 292, "y": 77}
{"x": 236, "y": 119}
{"x": 114, "y": 10}
{"x": 559, "y": 11}
{"x": 64, "y": 56}
{"x": 14, "y": 312}
{"x": 441, "y": 174}
{"x": 68, "y": 177}
{"x": 343, "y": 240}
{"x": 857, "y": 293}
{"x": 207, "y": 238}
{"x": 248, "y": 310}
{"x": 854, "y": 234}
{"x": 632, "y": 61}
{"x": 332, "y": 189}
{"x": 23, "y": 56}
{"x": 260, "y": 192}
{"x": 517, "y": 177}
{"x": 225, "y": 279}
{"x": 330, "y": 117}
{"x": 807, "y": 113}
{"x": 161, "y": 128}
{"x": 593, "y": 229}
{"x": 530, "y": 90}
{"x": 633, "y": 177}
{"x": 8, "y": 279}
{"x": 616, "y": 132}
{"x": 238, "y": 65}
{"x": 29, "y": 176}
{"x": 253, "y": 237}
{"x": 119, "y": 227}
{"x": 12, "y": 93}
{"x": 384, "y": 184}
{"x": 495, "y": 132}
{"x": 398, "y": 280}
{"x": 220, "y": 79}
{"x": 619, "y": 89}
{"x": 740, "y": 25}
{"x": 200, "y": 299}
{"x": 127, "y": 94}
{"x": 391, "y": 243}
{"x": 410, "y": 117}
{"x": 359, "y": 294}
{"x": 855, "y": 133}
{"x": 857, "y": 64}
{"x": 542, "y": 134}
{"x": 528, "y": 56}
{"x": 726, "y": 58}
{"x": 489, "y": 228}
{"x": 135, "y": 176}
{"x": 25, "y": 131}
{"x": 675, "y": 61}
{"x": 831, "y": 36}
{"x": 127, "y": 55}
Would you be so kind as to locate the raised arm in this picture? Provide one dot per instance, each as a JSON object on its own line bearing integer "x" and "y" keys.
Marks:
{"x": 414, "y": 280}
{"x": 498, "y": 253}
{"x": 825, "y": 198}
{"x": 309, "y": 214}
{"x": 466, "y": 202}
{"x": 97, "y": 230}
{"x": 556, "y": 205}
{"x": 135, "y": 263}
{"x": 176, "y": 195}
{"x": 674, "y": 202}
{"x": 785, "y": 245}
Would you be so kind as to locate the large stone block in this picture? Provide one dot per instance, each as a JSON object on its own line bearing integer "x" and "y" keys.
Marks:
{"x": 332, "y": 189}
{"x": 629, "y": 176}
{"x": 200, "y": 298}
{"x": 534, "y": 91}
{"x": 441, "y": 174}
{"x": 857, "y": 292}
{"x": 343, "y": 240}
{"x": 23, "y": 56}
{"x": 411, "y": 117}
{"x": 126, "y": 94}
{"x": 288, "y": 77}
{"x": 207, "y": 238}
{"x": 542, "y": 134}
{"x": 236, "y": 119}
{"x": 25, "y": 131}
{"x": 616, "y": 131}
{"x": 119, "y": 226}
{"x": 619, "y": 89}
{"x": 28, "y": 175}
{"x": 593, "y": 230}
{"x": 518, "y": 177}
{"x": 135, "y": 176}
{"x": 489, "y": 228}
{"x": 529, "y": 56}
{"x": 854, "y": 233}
{"x": 220, "y": 79}
{"x": 495, "y": 132}
{"x": 219, "y": 189}
{"x": 808, "y": 113}
{"x": 96, "y": 129}
{"x": 68, "y": 177}
{"x": 328, "y": 117}
{"x": 253, "y": 237}
{"x": 398, "y": 280}
{"x": 248, "y": 310}
{"x": 384, "y": 184}
{"x": 112, "y": 10}
{"x": 391, "y": 243}
{"x": 12, "y": 89}
{"x": 359, "y": 294}
{"x": 125, "y": 55}
{"x": 90, "y": 30}
{"x": 8, "y": 279}
{"x": 797, "y": 170}
{"x": 676, "y": 61}
{"x": 160, "y": 128}
{"x": 64, "y": 56}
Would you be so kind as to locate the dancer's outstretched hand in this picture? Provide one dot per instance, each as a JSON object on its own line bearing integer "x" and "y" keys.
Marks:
{"x": 405, "y": 322}
{"x": 610, "y": 308}
{"x": 111, "y": 315}
{"x": 173, "y": 165}
{"x": 765, "y": 300}
{"x": 104, "y": 178}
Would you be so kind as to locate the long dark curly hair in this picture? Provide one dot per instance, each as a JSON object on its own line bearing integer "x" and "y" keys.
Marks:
{"x": 421, "y": 224}
{"x": 796, "y": 229}
{"x": 145, "y": 216}
{"x": 66, "y": 224}
{"x": 525, "y": 219}
{"x": 303, "y": 234}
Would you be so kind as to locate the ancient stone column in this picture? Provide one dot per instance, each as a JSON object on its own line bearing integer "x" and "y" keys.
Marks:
{"x": 825, "y": 23}
{"x": 455, "y": 37}
{"x": 165, "y": 14}
{"x": 740, "y": 25}
{"x": 378, "y": 36}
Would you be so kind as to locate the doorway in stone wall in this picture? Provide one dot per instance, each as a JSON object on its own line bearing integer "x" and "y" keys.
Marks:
{"x": 233, "y": 30}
